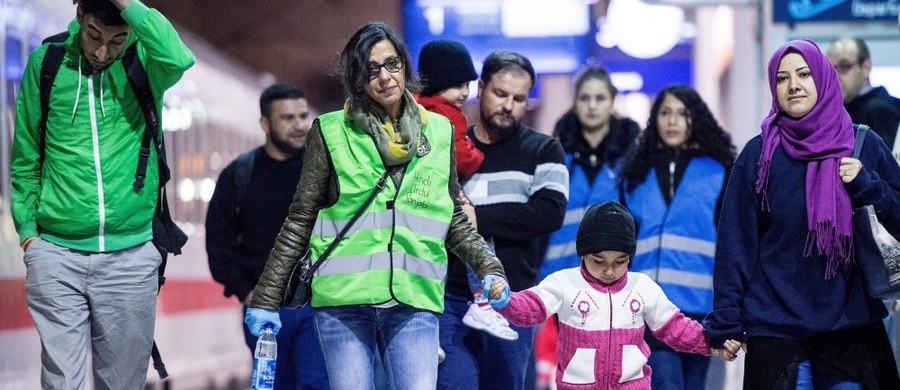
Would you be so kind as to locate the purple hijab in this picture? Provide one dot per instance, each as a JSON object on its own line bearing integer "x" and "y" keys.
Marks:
{"x": 821, "y": 138}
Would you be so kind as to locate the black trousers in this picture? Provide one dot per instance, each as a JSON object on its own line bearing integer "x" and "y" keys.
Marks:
{"x": 859, "y": 354}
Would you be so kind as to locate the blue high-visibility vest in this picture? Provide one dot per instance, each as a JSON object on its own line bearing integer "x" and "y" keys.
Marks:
{"x": 676, "y": 244}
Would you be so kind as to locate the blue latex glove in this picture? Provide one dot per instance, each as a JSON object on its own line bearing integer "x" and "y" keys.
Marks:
{"x": 501, "y": 302}
{"x": 256, "y": 318}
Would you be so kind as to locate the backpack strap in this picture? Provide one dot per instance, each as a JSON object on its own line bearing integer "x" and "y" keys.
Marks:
{"x": 53, "y": 58}
{"x": 860, "y": 131}
{"x": 56, "y": 38}
{"x": 243, "y": 170}
{"x": 140, "y": 84}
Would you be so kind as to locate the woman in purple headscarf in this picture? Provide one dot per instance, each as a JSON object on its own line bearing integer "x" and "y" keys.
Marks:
{"x": 786, "y": 282}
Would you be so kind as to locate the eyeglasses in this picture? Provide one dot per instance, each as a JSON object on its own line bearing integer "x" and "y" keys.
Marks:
{"x": 844, "y": 67}
{"x": 393, "y": 65}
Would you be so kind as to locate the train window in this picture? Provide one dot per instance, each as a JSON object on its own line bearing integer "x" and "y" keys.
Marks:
{"x": 13, "y": 68}
{"x": 15, "y": 61}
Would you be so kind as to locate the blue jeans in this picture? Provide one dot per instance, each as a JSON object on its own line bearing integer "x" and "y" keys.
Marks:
{"x": 673, "y": 370}
{"x": 806, "y": 380}
{"x": 300, "y": 363}
{"x": 477, "y": 360}
{"x": 406, "y": 338}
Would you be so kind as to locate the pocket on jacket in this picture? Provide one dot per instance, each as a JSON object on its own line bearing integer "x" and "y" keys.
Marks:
{"x": 580, "y": 369}
{"x": 633, "y": 362}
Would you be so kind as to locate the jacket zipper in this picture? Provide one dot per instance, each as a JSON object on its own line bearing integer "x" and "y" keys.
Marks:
{"x": 393, "y": 204}
{"x": 671, "y": 180}
{"x": 95, "y": 138}
{"x": 609, "y": 378}
{"x": 665, "y": 217}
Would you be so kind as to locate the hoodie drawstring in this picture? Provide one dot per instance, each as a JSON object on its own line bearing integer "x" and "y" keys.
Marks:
{"x": 102, "y": 108}
{"x": 78, "y": 91}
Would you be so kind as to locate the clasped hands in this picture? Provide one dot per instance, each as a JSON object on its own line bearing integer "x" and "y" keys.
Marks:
{"x": 730, "y": 350}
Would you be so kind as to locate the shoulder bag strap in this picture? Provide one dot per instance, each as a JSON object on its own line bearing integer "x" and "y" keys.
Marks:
{"x": 340, "y": 236}
{"x": 53, "y": 59}
{"x": 861, "y": 131}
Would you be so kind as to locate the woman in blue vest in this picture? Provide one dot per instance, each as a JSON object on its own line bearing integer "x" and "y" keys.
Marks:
{"x": 594, "y": 141}
{"x": 379, "y": 293}
{"x": 672, "y": 182}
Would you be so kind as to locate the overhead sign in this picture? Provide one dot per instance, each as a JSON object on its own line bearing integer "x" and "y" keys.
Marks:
{"x": 554, "y": 35}
{"x": 794, "y": 11}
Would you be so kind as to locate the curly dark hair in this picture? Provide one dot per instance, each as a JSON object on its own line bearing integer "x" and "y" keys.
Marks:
{"x": 707, "y": 138}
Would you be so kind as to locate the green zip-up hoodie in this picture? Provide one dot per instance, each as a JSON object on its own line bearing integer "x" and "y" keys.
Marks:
{"x": 82, "y": 197}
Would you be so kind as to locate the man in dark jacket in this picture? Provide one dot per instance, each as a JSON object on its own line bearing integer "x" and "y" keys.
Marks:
{"x": 866, "y": 105}
{"x": 245, "y": 214}
{"x": 873, "y": 107}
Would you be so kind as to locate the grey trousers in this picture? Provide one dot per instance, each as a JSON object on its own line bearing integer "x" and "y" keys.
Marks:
{"x": 109, "y": 297}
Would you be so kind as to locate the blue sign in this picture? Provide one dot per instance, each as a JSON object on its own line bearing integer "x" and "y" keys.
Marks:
{"x": 553, "y": 46}
{"x": 793, "y": 11}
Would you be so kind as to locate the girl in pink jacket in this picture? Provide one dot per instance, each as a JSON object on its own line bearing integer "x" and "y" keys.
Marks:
{"x": 603, "y": 309}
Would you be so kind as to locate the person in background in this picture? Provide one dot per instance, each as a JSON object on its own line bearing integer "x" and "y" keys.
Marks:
{"x": 672, "y": 182}
{"x": 381, "y": 290}
{"x": 871, "y": 106}
{"x": 786, "y": 284}
{"x": 594, "y": 140}
{"x": 445, "y": 70}
{"x": 603, "y": 310}
{"x": 92, "y": 269}
{"x": 246, "y": 212}
{"x": 519, "y": 194}
{"x": 866, "y": 104}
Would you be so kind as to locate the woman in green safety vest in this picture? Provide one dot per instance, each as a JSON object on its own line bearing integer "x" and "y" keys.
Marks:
{"x": 380, "y": 290}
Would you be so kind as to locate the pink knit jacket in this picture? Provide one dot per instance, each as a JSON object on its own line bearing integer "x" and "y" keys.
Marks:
{"x": 601, "y": 327}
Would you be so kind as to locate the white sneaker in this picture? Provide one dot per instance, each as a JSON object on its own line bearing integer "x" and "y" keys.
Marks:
{"x": 441, "y": 355}
{"x": 486, "y": 319}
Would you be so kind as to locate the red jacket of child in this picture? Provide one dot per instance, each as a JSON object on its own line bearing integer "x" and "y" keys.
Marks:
{"x": 468, "y": 158}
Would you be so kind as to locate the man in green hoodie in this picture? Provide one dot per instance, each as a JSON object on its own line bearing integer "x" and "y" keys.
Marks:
{"x": 85, "y": 228}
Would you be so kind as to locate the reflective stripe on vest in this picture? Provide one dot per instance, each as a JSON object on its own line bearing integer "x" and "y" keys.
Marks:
{"x": 395, "y": 250}
{"x": 561, "y": 253}
{"x": 383, "y": 261}
{"x": 381, "y": 220}
{"x": 676, "y": 242}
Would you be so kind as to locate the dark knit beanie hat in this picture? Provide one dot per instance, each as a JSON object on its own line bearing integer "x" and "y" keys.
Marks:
{"x": 606, "y": 226}
{"x": 444, "y": 64}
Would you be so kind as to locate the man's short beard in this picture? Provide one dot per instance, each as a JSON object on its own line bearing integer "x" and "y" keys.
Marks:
{"x": 285, "y": 146}
{"x": 500, "y": 132}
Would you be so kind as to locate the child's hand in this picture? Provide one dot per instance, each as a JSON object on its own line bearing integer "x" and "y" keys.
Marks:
{"x": 499, "y": 290}
{"x": 729, "y": 352}
{"x": 468, "y": 209}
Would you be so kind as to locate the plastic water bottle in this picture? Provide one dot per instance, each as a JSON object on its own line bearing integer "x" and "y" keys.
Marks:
{"x": 264, "y": 360}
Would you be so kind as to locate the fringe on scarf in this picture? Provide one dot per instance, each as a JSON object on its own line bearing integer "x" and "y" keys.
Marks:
{"x": 838, "y": 249}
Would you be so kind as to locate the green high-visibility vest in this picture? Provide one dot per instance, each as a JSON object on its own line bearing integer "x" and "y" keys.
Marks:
{"x": 395, "y": 250}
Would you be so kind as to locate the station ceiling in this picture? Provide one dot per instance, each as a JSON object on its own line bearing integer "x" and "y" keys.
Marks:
{"x": 297, "y": 41}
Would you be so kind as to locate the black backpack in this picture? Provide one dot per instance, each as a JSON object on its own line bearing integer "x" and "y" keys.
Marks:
{"x": 167, "y": 237}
